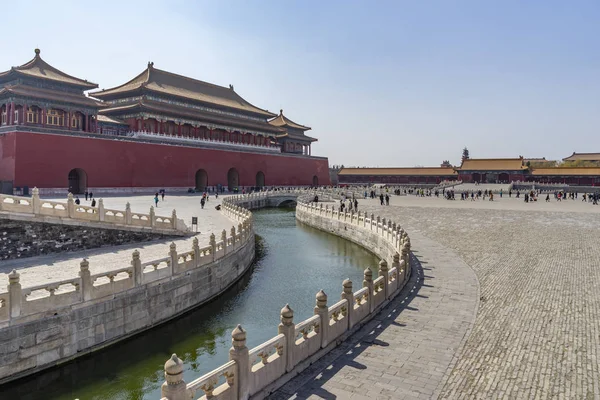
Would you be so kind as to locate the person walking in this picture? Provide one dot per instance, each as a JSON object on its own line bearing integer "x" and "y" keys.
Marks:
{"x": 156, "y": 200}
{"x": 91, "y": 196}
{"x": 202, "y": 201}
{"x": 93, "y": 203}
{"x": 86, "y": 195}
{"x": 381, "y": 198}
{"x": 162, "y": 194}
{"x": 387, "y": 200}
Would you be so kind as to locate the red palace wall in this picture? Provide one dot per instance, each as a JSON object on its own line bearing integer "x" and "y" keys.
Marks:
{"x": 7, "y": 157}
{"x": 44, "y": 160}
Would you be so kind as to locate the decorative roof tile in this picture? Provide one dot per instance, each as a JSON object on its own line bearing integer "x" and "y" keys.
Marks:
{"x": 282, "y": 120}
{"x": 163, "y": 82}
{"x": 492, "y": 164}
{"x": 583, "y": 157}
{"x": 39, "y": 68}
{"x": 53, "y": 95}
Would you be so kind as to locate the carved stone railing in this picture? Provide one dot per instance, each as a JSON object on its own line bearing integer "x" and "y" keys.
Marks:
{"x": 20, "y": 302}
{"x": 296, "y": 346}
{"x": 35, "y": 206}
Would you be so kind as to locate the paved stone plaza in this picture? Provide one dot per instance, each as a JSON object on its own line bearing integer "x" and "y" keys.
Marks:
{"x": 535, "y": 333}
{"x": 43, "y": 269}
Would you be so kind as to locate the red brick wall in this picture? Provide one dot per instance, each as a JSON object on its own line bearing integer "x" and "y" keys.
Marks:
{"x": 7, "y": 157}
{"x": 45, "y": 160}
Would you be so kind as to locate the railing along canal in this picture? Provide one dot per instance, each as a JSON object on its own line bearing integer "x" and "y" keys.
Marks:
{"x": 256, "y": 372}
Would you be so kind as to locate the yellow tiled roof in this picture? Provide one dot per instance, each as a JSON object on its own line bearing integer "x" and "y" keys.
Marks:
{"x": 165, "y": 82}
{"x": 492, "y": 164}
{"x": 567, "y": 171}
{"x": 583, "y": 157}
{"x": 282, "y": 120}
{"x": 39, "y": 68}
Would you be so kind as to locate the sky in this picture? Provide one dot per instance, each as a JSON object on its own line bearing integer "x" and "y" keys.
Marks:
{"x": 381, "y": 83}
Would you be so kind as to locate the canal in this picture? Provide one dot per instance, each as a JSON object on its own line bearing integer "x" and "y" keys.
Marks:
{"x": 294, "y": 262}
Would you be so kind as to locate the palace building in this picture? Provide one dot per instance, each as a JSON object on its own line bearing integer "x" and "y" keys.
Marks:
{"x": 157, "y": 130}
{"x": 490, "y": 170}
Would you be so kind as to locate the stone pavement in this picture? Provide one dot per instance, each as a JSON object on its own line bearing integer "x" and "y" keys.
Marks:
{"x": 536, "y": 332}
{"x": 405, "y": 352}
{"x": 44, "y": 269}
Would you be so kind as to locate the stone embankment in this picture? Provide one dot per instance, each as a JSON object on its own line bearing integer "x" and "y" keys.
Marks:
{"x": 24, "y": 238}
{"x": 254, "y": 373}
{"x": 44, "y": 325}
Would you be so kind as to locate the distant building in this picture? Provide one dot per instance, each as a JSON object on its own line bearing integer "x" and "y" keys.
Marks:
{"x": 484, "y": 170}
{"x": 595, "y": 157}
{"x": 396, "y": 176}
{"x": 492, "y": 170}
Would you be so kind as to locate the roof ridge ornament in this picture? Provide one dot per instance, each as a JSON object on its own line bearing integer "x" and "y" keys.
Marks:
{"x": 37, "y": 52}
{"x": 281, "y": 111}
{"x": 150, "y": 64}
{"x": 230, "y": 86}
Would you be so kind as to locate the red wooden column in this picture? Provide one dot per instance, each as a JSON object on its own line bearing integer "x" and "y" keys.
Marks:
{"x": 43, "y": 116}
{"x": 10, "y": 113}
{"x": 68, "y": 118}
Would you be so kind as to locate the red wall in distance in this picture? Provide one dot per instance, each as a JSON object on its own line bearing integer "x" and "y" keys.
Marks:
{"x": 44, "y": 160}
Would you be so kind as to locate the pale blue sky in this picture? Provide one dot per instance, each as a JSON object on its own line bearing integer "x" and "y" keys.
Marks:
{"x": 382, "y": 83}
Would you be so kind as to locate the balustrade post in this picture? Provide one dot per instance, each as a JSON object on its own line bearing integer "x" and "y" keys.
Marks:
{"x": 213, "y": 245}
{"x": 348, "y": 294}
{"x": 35, "y": 201}
{"x": 233, "y": 238}
{"x": 383, "y": 226}
{"x": 70, "y": 206}
{"x": 405, "y": 256}
{"x": 368, "y": 283}
{"x": 372, "y": 220}
{"x": 15, "y": 295}
{"x": 174, "y": 220}
{"x": 224, "y": 239}
{"x": 196, "y": 249}
{"x": 128, "y": 214}
{"x": 101, "y": 212}
{"x": 152, "y": 217}
{"x": 322, "y": 311}
{"x": 86, "y": 280}
{"x": 288, "y": 329}
{"x": 174, "y": 387}
{"x": 239, "y": 354}
{"x": 138, "y": 271}
{"x": 242, "y": 232}
{"x": 173, "y": 258}
{"x": 385, "y": 272}
{"x": 396, "y": 264}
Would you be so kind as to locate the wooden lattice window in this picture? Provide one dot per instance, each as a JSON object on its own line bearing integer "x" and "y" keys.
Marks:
{"x": 55, "y": 117}
{"x": 32, "y": 116}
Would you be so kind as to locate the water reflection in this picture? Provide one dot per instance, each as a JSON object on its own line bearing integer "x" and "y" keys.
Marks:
{"x": 295, "y": 263}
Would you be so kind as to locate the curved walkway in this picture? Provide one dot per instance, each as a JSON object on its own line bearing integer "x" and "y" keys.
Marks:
{"x": 54, "y": 267}
{"x": 408, "y": 349}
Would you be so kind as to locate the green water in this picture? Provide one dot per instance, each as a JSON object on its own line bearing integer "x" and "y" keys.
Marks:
{"x": 294, "y": 263}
